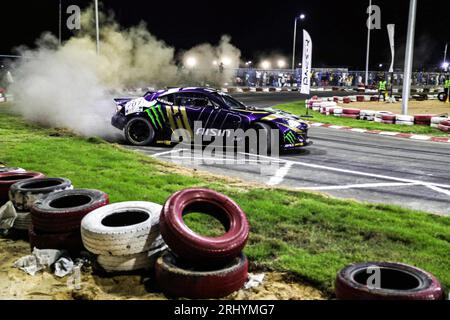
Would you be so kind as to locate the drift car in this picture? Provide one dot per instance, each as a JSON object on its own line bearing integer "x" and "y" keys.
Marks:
{"x": 155, "y": 116}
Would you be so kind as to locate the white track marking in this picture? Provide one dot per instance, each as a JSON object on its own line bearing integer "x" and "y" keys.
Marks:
{"x": 360, "y": 186}
{"x": 388, "y": 133}
{"x": 363, "y": 174}
{"x": 156, "y": 155}
{"x": 437, "y": 189}
{"x": 279, "y": 175}
{"x": 418, "y": 137}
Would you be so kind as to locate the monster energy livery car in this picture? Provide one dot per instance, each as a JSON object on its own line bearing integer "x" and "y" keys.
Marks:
{"x": 153, "y": 118}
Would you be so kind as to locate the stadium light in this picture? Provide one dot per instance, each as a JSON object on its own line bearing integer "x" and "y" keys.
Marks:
{"x": 191, "y": 62}
{"x": 281, "y": 64}
{"x": 445, "y": 66}
{"x": 226, "y": 61}
{"x": 266, "y": 64}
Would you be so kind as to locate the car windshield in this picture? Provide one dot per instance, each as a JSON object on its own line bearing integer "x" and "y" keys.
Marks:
{"x": 230, "y": 101}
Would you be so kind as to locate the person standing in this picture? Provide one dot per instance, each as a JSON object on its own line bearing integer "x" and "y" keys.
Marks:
{"x": 382, "y": 88}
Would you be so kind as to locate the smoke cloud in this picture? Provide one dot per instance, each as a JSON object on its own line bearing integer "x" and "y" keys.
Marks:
{"x": 69, "y": 86}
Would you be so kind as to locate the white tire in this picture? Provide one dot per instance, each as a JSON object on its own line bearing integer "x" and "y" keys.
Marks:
{"x": 369, "y": 113}
{"x": 438, "y": 120}
{"x": 134, "y": 262}
{"x": 122, "y": 229}
{"x": 23, "y": 221}
{"x": 405, "y": 123}
{"x": 404, "y": 118}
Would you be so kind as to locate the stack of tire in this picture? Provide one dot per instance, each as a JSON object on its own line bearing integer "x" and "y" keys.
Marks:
{"x": 385, "y": 117}
{"x": 347, "y": 100}
{"x": 25, "y": 193}
{"x": 337, "y": 112}
{"x": 404, "y": 120}
{"x": 436, "y": 121}
{"x": 397, "y": 281}
{"x": 200, "y": 267}
{"x": 56, "y": 219}
{"x": 368, "y": 115}
{"x": 124, "y": 237}
{"x": 351, "y": 113}
{"x": 10, "y": 176}
{"x": 444, "y": 126}
{"x": 360, "y": 98}
{"x": 423, "y": 119}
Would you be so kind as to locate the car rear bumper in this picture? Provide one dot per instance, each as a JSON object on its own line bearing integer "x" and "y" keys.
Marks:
{"x": 119, "y": 121}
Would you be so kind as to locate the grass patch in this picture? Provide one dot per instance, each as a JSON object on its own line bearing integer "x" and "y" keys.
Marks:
{"x": 308, "y": 235}
{"x": 298, "y": 108}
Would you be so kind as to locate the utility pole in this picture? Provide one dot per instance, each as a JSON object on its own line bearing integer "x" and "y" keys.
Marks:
{"x": 368, "y": 45}
{"x": 409, "y": 56}
{"x": 97, "y": 27}
{"x": 60, "y": 23}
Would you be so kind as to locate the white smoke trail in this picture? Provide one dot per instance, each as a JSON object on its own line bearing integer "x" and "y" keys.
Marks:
{"x": 68, "y": 86}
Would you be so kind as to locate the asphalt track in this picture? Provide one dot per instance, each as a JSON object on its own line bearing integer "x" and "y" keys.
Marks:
{"x": 370, "y": 168}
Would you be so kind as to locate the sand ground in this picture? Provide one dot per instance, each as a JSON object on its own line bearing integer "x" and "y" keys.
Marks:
{"x": 17, "y": 285}
{"x": 415, "y": 107}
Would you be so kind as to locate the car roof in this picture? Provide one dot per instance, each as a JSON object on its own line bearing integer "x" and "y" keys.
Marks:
{"x": 166, "y": 92}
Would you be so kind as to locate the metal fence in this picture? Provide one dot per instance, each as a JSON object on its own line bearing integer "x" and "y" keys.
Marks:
{"x": 330, "y": 77}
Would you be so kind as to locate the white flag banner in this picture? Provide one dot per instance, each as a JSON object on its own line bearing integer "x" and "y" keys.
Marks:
{"x": 391, "y": 32}
{"x": 306, "y": 63}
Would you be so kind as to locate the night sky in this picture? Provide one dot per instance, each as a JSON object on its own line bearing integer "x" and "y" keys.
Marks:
{"x": 257, "y": 28}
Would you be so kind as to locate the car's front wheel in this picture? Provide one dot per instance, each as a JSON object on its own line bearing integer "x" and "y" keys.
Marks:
{"x": 263, "y": 131}
{"x": 139, "y": 132}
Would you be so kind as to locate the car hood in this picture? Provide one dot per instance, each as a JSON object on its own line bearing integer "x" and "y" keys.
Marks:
{"x": 270, "y": 114}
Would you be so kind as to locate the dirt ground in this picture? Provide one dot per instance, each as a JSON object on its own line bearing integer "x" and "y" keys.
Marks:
{"x": 17, "y": 285}
{"x": 415, "y": 107}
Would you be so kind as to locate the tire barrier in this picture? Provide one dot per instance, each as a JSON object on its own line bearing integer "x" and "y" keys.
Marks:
{"x": 360, "y": 98}
{"x": 63, "y": 211}
{"x": 404, "y": 120}
{"x": 139, "y": 261}
{"x": 23, "y": 221}
{"x": 123, "y": 229}
{"x": 24, "y": 193}
{"x": 70, "y": 241}
{"x": 436, "y": 121}
{"x": 423, "y": 119}
{"x": 381, "y": 116}
{"x": 368, "y": 115}
{"x": 177, "y": 279}
{"x": 7, "y": 179}
{"x": 397, "y": 282}
{"x": 197, "y": 249}
{"x": 198, "y": 266}
{"x": 347, "y": 100}
{"x": 444, "y": 126}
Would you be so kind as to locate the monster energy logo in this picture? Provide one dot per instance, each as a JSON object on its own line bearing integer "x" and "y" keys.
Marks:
{"x": 156, "y": 115}
{"x": 290, "y": 137}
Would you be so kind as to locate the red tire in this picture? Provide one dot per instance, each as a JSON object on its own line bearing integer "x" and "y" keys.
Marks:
{"x": 446, "y": 123}
{"x": 388, "y": 117}
{"x": 70, "y": 241}
{"x": 423, "y": 119}
{"x": 387, "y": 122}
{"x": 374, "y": 99}
{"x": 444, "y": 128}
{"x": 360, "y": 98}
{"x": 7, "y": 179}
{"x": 63, "y": 211}
{"x": 351, "y": 111}
{"x": 347, "y": 100}
{"x": 177, "y": 280}
{"x": 397, "y": 282}
{"x": 193, "y": 247}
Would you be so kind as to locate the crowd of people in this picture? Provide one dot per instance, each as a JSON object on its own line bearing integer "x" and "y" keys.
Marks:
{"x": 331, "y": 77}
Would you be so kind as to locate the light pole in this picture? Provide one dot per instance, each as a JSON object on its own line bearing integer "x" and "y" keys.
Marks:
{"x": 368, "y": 45}
{"x": 60, "y": 23}
{"x": 409, "y": 55}
{"x": 97, "y": 27}
{"x": 445, "y": 56}
{"x": 300, "y": 17}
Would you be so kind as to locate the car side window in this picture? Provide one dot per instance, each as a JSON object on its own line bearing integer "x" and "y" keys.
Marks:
{"x": 170, "y": 98}
{"x": 193, "y": 99}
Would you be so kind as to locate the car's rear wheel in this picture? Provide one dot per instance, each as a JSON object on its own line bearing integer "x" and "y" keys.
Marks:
{"x": 139, "y": 132}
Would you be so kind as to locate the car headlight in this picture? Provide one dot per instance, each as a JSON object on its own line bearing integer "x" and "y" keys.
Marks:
{"x": 119, "y": 108}
{"x": 294, "y": 123}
